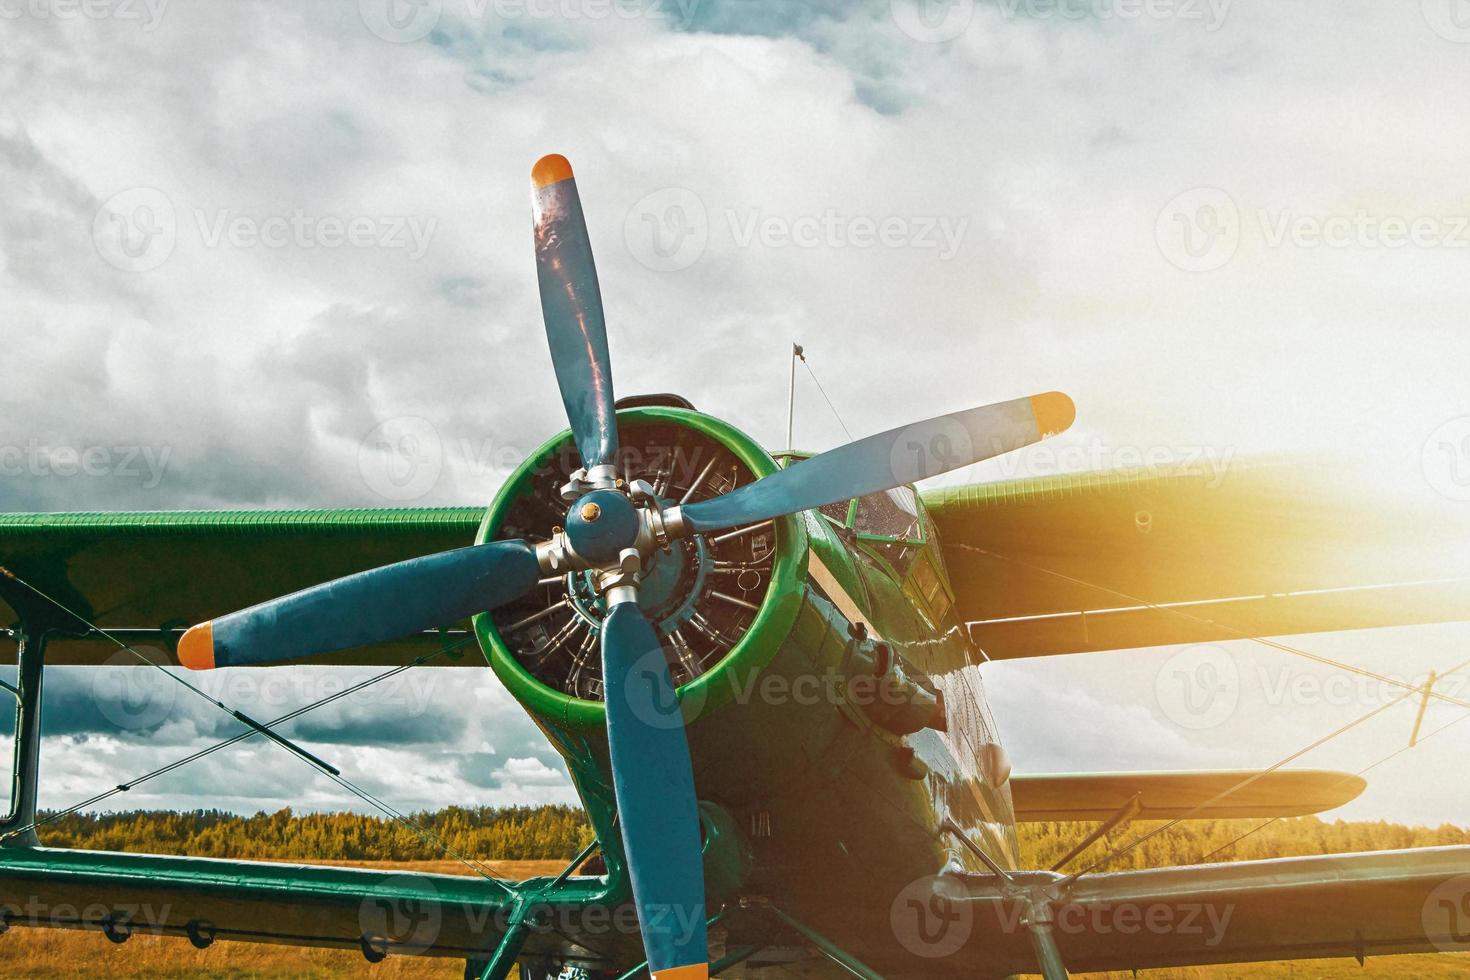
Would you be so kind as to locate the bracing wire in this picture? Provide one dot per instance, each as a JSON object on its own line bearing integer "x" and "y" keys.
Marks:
{"x": 424, "y": 834}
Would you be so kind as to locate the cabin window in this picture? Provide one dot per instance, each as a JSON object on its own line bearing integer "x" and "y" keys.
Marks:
{"x": 926, "y": 583}
{"x": 890, "y": 514}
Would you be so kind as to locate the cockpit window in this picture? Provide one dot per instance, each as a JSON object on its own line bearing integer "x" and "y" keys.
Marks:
{"x": 887, "y": 522}
{"x": 890, "y": 514}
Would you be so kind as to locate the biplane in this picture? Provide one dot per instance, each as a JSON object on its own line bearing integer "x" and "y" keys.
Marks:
{"x": 764, "y": 673}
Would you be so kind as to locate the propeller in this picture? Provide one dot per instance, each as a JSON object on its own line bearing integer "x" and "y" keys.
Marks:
{"x": 610, "y": 530}
{"x": 887, "y": 460}
{"x": 571, "y": 305}
{"x": 653, "y": 780}
{"x": 370, "y": 607}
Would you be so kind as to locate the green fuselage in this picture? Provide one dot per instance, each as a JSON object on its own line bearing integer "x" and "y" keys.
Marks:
{"x": 828, "y": 811}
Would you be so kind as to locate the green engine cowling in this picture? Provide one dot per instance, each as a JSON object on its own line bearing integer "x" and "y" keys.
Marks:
{"x": 724, "y": 608}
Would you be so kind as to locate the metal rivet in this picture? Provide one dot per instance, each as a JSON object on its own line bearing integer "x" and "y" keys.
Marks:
{"x": 591, "y": 512}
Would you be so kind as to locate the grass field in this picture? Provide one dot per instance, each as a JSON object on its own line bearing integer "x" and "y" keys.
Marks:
{"x": 54, "y": 953}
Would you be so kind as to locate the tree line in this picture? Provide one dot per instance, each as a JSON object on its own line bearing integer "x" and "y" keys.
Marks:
{"x": 559, "y": 832}
{"x": 510, "y": 833}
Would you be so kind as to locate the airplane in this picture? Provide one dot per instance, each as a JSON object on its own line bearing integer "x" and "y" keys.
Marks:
{"x": 764, "y": 673}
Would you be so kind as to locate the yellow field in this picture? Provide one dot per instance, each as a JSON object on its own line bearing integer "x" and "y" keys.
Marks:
{"x": 55, "y": 953}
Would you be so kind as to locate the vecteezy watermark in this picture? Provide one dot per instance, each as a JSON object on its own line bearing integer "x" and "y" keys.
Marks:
{"x": 1446, "y": 915}
{"x": 145, "y": 13}
{"x": 145, "y": 464}
{"x": 136, "y": 230}
{"x": 300, "y": 230}
{"x": 121, "y": 917}
{"x": 1060, "y": 458}
{"x": 941, "y": 234}
{"x": 932, "y": 917}
{"x": 1362, "y": 229}
{"x": 1290, "y": 686}
{"x": 937, "y": 21}
{"x": 1450, "y": 19}
{"x": 401, "y": 458}
{"x": 131, "y": 692}
{"x": 1445, "y": 459}
{"x": 928, "y": 921}
{"x": 1201, "y": 230}
{"x": 667, "y": 230}
{"x": 932, "y": 21}
{"x": 670, "y": 230}
{"x": 1209, "y": 14}
{"x": 408, "y": 695}
{"x": 400, "y": 21}
{"x": 407, "y": 21}
{"x": 1198, "y": 687}
{"x": 1206, "y": 920}
{"x": 403, "y": 915}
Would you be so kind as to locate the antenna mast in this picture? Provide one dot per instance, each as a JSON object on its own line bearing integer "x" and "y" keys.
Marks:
{"x": 796, "y": 355}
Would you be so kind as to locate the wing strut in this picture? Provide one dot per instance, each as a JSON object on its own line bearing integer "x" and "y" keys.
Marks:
{"x": 40, "y": 619}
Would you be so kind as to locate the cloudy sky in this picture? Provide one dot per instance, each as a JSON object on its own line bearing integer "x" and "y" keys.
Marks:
{"x": 243, "y": 245}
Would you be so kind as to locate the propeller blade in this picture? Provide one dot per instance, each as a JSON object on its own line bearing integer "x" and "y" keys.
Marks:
{"x": 654, "y": 783}
{"x": 369, "y": 607}
{"x": 887, "y": 460}
{"x": 571, "y": 304}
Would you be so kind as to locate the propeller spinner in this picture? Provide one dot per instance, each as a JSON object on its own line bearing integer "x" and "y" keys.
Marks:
{"x": 611, "y": 530}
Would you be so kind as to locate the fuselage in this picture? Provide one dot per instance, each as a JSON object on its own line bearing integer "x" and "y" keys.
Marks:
{"x": 842, "y": 746}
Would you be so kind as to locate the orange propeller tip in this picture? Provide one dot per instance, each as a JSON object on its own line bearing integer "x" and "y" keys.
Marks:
{"x": 551, "y": 169}
{"x": 196, "y": 647}
{"x": 694, "y": 971}
{"x": 1054, "y": 412}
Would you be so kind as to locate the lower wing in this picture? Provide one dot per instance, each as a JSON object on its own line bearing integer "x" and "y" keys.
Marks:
{"x": 1359, "y": 905}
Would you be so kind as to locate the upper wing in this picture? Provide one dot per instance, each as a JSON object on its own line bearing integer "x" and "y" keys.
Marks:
{"x": 1288, "y": 908}
{"x": 144, "y": 576}
{"x": 1107, "y": 561}
{"x": 1170, "y": 795}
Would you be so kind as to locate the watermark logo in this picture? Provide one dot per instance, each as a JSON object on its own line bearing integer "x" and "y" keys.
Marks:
{"x": 136, "y": 230}
{"x": 405, "y": 917}
{"x": 410, "y": 234}
{"x": 830, "y": 229}
{"x": 1446, "y": 915}
{"x": 670, "y": 229}
{"x": 146, "y": 13}
{"x": 667, "y": 230}
{"x": 1199, "y": 230}
{"x": 1450, "y": 19}
{"x": 407, "y": 21}
{"x": 652, "y": 700}
{"x": 1362, "y": 230}
{"x": 400, "y": 21}
{"x": 1210, "y": 14}
{"x": 929, "y": 448}
{"x": 1289, "y": 686}
{"x": 130, "y": 693}
{"x": 932, "y": 21}
{"x": 1198, "y": 687}
{"x": 927, "y": 922}
{"x": 1054, "y": 458}
{"x": 145, "y": 464}
{"x": 1445, "y": 459}
{"x": 401, "y": 459}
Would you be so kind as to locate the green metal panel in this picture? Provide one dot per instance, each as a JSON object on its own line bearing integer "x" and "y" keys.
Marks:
{"x": 1071, "y": 563}
{"x": 158, "y": 571}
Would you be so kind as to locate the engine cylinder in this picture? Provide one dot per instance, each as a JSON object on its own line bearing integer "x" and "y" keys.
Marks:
{"x": 708, "y": 596}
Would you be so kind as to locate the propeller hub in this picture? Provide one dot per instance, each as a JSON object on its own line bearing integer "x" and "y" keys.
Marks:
{"x": 601, "y": 525}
